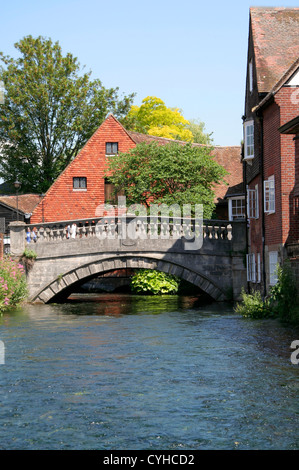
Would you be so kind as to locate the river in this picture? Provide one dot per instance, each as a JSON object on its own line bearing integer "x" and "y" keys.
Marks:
{"x": 115, "y": 371}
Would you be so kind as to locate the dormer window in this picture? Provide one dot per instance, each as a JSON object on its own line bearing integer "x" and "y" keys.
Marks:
{"x": 248, "y": 140}
{"x": 111, "y": 148}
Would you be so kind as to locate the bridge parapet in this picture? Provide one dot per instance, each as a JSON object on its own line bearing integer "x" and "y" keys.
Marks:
{"x": 110, "y": 228}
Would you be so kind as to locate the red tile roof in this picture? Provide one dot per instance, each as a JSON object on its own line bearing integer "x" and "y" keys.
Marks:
{"x": 281, "y": 82}
{"x": 275, "y": 34}
{"x": 26, "y": 202}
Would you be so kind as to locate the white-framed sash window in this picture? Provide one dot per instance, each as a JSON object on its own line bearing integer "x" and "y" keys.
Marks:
{"x": 251, "y": 267}
{"x": 249, "y": 140}
{"x": 269, "y": 195}
{"x": 273, "y": 262}
{"x": 253, "y": 202}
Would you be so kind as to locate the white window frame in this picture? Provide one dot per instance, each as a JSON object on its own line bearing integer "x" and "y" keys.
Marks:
{"x": 250, "y": 76}
{"x": 113, "y": 147}
{"x": 273, "y": 263}
{"x": 251, "y": 267}
{"x": 258, "y": 266}
{"x": 269, "y": 195}
{"x": 253, "y": 202}
{"x": 230, "y": 208}
{"x": 248, "y": 145}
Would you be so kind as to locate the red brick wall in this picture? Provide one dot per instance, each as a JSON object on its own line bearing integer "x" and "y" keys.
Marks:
{"x": 272, "y": 166}
{"x": 61, "y": 202}
{"x": 294, "y": 224}
{"x": 288, "y": 111}
{"x": 279, "y": 160}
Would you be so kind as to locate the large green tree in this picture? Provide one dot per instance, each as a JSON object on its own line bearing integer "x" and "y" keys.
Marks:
{"x": 51, "y": 108}
{"x": 167, "y": 174}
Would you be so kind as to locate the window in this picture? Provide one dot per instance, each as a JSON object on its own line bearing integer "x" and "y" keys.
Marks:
{"x": 269, "y": 195}
{"x": 236, "y": 207}
{"x": 258, "y": 277}
{"x": 80, "y": 182}
{"x": 111, "y": 148}
{"x": 110, "y": 196}
{"x": 253, "y": 203}
{"x": 248, "y": 140}
{"x": 250, "y": 258}
{"x": 273, "y": 260}
{"x": 250, "y": 76}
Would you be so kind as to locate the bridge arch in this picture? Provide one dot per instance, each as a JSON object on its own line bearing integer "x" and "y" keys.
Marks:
{"x": 64, "y": 283}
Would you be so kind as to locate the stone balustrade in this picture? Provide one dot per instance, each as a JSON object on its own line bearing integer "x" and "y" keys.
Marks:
{"x": 130, "y": 227}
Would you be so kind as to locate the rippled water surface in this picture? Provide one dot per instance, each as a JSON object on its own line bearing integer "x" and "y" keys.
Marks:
{"x": 128, "y": 372}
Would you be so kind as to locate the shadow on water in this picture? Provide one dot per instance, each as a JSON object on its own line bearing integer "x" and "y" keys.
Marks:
{"x": 130, "y": 304}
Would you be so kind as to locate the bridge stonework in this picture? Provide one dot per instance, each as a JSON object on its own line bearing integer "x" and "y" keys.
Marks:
{"x": 62, "y": 263}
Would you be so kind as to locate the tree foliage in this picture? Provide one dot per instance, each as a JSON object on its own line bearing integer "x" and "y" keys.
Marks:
{"x": 154, "y": 118}
{"x": 51, "y": 108}
{"x": 167, "y": 174}
{"x": 199, "y": 133}
{"x": 148, "y": 281}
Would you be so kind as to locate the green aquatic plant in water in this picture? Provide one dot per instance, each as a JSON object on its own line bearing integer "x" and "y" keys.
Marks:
{"x": 148, "y": 281}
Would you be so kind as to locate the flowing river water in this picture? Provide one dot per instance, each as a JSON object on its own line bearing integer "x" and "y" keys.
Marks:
{"x": 115, "y": 371}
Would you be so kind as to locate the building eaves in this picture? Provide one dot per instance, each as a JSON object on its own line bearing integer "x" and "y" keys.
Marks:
{"x": 291, "y": 127}
{"x": 281, "y": 82}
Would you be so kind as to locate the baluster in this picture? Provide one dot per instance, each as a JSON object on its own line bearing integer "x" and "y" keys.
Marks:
{"x": 143, "y": 229}
{"x": 153, "y": 228}
{"x": 176, "y": 229}
{"x": 207, "y": 231}
{"x": 165, "y": 228}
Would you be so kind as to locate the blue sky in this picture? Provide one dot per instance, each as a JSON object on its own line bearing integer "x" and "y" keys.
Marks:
{"x": 191, "y": 54}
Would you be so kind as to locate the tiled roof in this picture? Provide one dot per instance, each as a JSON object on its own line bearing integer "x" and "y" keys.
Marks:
{"x": 275, "y": 34}
{"x": 26, "y": 202}
{"x": 146, "y": 138}
{"x": 281, "y": 82}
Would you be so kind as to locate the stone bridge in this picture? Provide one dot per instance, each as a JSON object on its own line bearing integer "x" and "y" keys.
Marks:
{"x": 209, "y": 254}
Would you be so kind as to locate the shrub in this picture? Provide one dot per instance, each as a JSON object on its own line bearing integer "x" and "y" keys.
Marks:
{"x": 284, "y": 295}
{"x": 253, "y": 306}
{"x": 282, "y": 302}
{"x": 28, "y": 258}
{"x": 148, "y": 281}
{"x": 13, "y": 288}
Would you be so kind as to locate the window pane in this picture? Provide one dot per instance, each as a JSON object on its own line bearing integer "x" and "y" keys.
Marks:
{"x": 79, "y": 182}
{"x": 111, "y": 148}
{"x": 83, "y": 183}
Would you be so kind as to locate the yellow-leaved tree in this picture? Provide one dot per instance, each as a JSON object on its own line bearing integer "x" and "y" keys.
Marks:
{"x": 154, "y": 118}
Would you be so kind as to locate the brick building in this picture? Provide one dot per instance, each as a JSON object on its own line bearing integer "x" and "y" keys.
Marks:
{"x": 271, "y": 100}
{"x": 82, "y": 186}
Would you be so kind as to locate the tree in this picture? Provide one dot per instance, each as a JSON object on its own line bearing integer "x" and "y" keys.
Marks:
{"x": 171, "y": 174}
{"x": 154, "y": 118}
{"x": 51, "y": 108}
{"x": 198, "y": 131}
